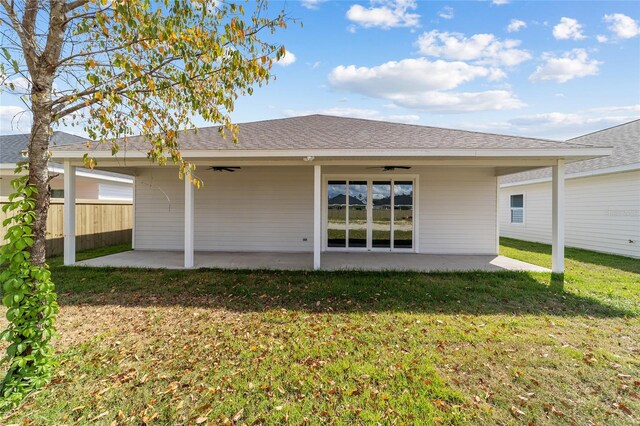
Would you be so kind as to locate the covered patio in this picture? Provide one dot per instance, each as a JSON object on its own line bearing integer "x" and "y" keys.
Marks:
{"x": 331, "y": 261}
{"x": 328, "y": 193}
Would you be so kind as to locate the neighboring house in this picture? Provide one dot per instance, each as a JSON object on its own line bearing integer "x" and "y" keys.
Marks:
{"x": 602, "y": 197}
{"x": 90, "y": 184}
{"x": 286, "y": 187}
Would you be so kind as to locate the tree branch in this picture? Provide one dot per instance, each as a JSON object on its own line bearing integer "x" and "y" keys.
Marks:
{"x": 28, "y": 45}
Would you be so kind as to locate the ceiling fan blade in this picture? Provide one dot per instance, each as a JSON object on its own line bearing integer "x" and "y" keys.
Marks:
{"x": 224, "y": 169}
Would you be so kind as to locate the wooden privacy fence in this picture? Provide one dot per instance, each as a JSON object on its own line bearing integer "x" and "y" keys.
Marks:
{"x": 98, "y": 223}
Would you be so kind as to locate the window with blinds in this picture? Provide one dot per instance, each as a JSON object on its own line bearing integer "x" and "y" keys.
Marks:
{"x": 517, "y": 208}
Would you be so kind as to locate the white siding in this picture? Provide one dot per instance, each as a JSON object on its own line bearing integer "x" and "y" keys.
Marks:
{"x": 159, "y": 210}
{"x": 457, "y": 210}
{"x": 115, "y": 191}
{"x": 602, "y": 213}
{"x": 253, "y": 209}
{"x": 5, "y": 185}
{"x": 271, "y": 209}
{"x": 85, "y": 188}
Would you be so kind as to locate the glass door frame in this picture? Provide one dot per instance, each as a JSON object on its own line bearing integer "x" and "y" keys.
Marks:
{"x": 369, "y": 178}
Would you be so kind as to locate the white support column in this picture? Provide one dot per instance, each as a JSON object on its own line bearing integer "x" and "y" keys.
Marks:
{"x": 188, "y": 222}
{"x": 69, "y": 213}
{"x": 557, "y": 239}
{"x": 317, "y": 210}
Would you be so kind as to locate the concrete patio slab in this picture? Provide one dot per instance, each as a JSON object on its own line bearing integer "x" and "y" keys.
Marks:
{"x": 331, "y": 261}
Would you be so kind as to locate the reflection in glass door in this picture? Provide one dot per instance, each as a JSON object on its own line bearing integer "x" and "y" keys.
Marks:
{"x": 403, "y": 214}
{"x": 374, "y": 215}
{"x": 381, "y": 215}
{"x": 357, "y": 222}
{"x": 337, "y": 214}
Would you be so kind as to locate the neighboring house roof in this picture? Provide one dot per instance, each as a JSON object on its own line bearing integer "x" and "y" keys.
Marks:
{"x": 624, "y": 138}
{"x": 321, "y": 132}
{"x": 12, "y": 147}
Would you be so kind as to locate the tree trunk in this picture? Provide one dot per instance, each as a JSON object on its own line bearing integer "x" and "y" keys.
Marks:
{"x": 38, "y": 164}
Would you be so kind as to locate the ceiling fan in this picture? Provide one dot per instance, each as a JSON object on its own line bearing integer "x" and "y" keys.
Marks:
{"x": 390, "y": 168}
{"x": 224, "y": 169}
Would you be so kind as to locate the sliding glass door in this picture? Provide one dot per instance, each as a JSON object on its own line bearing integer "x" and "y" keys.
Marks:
{"x": 381, "y": 214}
{"x": 375, "y": 214}
{"x": 337, "y": 214}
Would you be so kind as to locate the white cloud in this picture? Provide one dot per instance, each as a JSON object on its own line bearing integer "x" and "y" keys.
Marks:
{"x": 562, "y": 125}
{"x": 446, "y": 13}
{"x": 406, "y": 118}
{"x": 574, "y": 124}
{"x": 18, "y": 85}
{"x": 312, "y": 4}
{"x": 602, "y": 38}
{"x": 365, "y": 113}
{"x": 483, "y": 48}
{"x": 622, "y": 25}
{"x": 499, "y": 2}
{"x": 619, "y": 109}
{"x": 9, "y": 112}
{"x": 406, "y": 75}
{"x": 288, "y": 59}
{"x": 424, "y": 85}
{"x": 14, "y": 119}
{"x": 456, "y": 102}
{"x": 570, "y": 65}
{"x": 385, "y": 14}
{"x": 568, "y": 29}
{"x": 313, "y": 65}
{"x": 516, "y": 25}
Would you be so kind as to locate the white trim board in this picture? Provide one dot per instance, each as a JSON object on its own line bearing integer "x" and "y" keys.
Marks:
{"x": 588, "y": 152}
{"x": 588, "y": 173}
{"x": 91, "y": 174}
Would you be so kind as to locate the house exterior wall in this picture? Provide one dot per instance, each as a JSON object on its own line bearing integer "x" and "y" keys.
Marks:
{"x": 602, "y": 213}
{"x": 86, "y": 188}
{"x": 271, "y": 209}
{"x": 115, "y": 191}
{"x": 5, "y": 186}
{"x": 457, "y": 208}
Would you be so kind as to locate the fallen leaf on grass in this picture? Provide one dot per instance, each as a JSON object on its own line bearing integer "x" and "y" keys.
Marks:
{"x": 516, "y": 412}
{"x": 99, "y": 416}
{"x": 172, "y": 387}
{"x": 621, "y": 406}
{"x": 553, "y": 409}
{"x": 238, "y": 415}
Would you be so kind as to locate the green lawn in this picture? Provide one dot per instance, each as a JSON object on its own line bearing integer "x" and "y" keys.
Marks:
{"x": 246, "y": 347}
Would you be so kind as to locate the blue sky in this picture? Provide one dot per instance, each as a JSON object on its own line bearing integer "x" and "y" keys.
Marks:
{"x": 537, "y": 68}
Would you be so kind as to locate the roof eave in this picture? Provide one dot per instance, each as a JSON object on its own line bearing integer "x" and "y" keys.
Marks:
{"x": 574, "y": 154}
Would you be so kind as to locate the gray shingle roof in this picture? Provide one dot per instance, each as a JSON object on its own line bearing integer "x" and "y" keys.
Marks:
{"x": 624, "y": 138}
{"x": 328, "y": 132}
{"x": 11, "y": 146}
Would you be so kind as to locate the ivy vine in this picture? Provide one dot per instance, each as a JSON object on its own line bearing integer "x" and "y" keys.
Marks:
{"x": 30, "y": 299}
